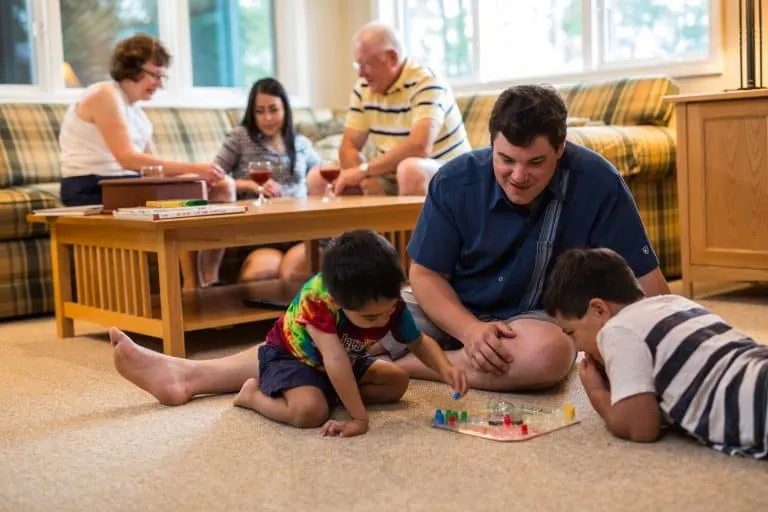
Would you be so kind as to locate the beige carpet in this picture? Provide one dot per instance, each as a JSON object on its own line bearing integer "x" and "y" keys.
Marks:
{"x": 75, "y": 436}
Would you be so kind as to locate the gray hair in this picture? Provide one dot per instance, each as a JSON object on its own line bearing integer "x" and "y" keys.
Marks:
{"x": 381, "y": 36}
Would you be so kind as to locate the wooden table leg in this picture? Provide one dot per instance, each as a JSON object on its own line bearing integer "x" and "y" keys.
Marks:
{"x": 312, "y": 248}
{"x": 171, "y": 311}
{"x": 62, "y": 284}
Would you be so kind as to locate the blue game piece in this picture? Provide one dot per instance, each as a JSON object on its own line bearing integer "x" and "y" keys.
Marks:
{"x": 456, "y": 395}
{"x": 439, "y": 418}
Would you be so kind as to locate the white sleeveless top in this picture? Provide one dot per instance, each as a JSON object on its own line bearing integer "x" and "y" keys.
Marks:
{"x": 82, "y": 147}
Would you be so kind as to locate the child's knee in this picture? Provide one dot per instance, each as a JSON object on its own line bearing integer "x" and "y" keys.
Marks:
{"x": 397, "y": 384}
{"x": 309, "y": 415}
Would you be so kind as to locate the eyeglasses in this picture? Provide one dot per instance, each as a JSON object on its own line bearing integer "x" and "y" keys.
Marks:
{"x": 370, "y": 62}
{"x": 157, "y": 76}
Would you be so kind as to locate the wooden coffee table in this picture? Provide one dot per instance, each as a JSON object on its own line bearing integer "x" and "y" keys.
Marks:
{"x": 112, "y": 261}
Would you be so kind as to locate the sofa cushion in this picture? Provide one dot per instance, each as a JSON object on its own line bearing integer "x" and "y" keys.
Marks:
{"x": 29, "y": 151}
{"x": 17, "y": 202}
{"x": 631, "y": 149}
{"x": 626, "y": 101}
{"x": 26, "y": 283}
{"x": 476, "y": 112}
{"x": 188, "y": 134}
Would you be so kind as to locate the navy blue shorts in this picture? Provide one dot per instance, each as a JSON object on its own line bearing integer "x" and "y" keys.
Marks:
{"x": 84, "y": 190}
{"x": 280, "y": 370}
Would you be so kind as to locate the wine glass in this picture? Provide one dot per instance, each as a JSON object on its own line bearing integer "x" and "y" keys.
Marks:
{"x": 260, "y": 172}
{"x": 152, "y": 171}
{"x": 330, "y": 174}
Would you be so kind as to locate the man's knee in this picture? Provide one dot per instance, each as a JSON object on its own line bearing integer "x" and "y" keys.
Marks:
{"x": 552, "y": 358}
{"x": 413, "y": 174}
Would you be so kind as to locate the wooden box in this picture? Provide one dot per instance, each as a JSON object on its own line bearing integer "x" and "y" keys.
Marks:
{"x": 131, "y": 192}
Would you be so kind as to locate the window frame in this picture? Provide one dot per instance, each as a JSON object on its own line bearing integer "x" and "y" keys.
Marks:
{"x": 174, "y": 30}
{"x": 595, "y": 65}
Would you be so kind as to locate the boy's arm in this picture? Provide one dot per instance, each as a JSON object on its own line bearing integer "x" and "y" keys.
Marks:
{"x": 429, "y": 352}
{"x": 636, "y": 418}
{"x": 627, "y": 400}
{"x": 339, "y": 370}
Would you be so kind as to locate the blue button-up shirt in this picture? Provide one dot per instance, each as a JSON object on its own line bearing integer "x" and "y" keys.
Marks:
{"x": 498, "y": 254}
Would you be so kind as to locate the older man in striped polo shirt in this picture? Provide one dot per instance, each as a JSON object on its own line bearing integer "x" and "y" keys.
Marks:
{"x": 408, "y": 112}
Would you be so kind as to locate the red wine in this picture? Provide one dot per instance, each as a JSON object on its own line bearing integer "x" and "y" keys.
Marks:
{"x": 330, "y": 175}
{"x": 261, "y": 176}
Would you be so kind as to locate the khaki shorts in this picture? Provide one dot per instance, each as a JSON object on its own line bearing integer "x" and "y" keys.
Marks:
{"x": 397, "y": 350}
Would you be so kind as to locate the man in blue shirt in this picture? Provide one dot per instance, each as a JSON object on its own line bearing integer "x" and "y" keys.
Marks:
{"x": 492, "y": 226}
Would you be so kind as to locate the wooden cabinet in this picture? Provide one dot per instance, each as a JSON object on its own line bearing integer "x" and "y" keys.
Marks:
{"x": 722, "y": 177}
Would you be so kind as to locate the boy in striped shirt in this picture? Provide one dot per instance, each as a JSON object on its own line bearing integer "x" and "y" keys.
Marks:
{"x": 659, "y": 360}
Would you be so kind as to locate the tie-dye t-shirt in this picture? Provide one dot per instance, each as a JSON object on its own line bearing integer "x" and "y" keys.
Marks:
{"x": 314, "y": 306}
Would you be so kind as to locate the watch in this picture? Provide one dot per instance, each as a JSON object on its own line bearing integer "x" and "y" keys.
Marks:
{"x": 364, "y": 167}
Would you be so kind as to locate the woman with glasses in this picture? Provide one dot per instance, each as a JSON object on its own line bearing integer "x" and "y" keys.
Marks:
{"x": 105, "y": 134}
{"x": 266, "y": 133}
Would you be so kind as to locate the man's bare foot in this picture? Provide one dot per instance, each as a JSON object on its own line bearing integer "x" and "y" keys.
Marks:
{"x": 247, "y": 395}
{"x": 157, "y": 374}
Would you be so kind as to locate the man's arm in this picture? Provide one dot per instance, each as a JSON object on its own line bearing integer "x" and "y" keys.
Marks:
{"x": 440, "y": 303}
{"x": 339, "y": 370}
{"x": 654, "y": 283}
{"x": 350, "y": 152}
{"x": 418, "y": 144}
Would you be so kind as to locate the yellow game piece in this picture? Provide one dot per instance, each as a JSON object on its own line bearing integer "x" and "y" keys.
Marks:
{"x": 569, "y": 411}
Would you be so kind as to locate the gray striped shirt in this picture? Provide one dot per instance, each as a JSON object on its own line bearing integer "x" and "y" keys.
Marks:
{"x": 238, "y": 149}
{"x": 709, "y": 378}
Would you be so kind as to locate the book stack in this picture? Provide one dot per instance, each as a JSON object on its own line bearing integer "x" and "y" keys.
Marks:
{"x": 174, "y": 212}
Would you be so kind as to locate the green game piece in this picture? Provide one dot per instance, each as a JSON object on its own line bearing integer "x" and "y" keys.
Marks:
{"x": 464, "y": 416}
{"x": 448, "y": 414}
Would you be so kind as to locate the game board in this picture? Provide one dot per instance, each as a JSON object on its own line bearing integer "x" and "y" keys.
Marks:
{"x": 506, "y": 421}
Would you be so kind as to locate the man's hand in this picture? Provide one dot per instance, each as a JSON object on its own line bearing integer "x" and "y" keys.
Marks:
{"x": 349, "y": 428}
{"x": 486, "y": 349}
{"x": 351, "y": 177}
{"x": 457, "y": 379}
{"x": 591, "y": 376}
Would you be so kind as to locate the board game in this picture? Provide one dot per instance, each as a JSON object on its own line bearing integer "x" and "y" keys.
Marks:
{"x": 506, "y": 421}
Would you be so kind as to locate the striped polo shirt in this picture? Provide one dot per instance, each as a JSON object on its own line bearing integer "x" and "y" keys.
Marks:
{"x": 417, "y": 94}
{"x": 709, "y": 378}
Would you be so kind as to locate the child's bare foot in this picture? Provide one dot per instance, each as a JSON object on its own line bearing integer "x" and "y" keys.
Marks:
{"x": 248, "y": 393}
{"x": 157, "y": 374}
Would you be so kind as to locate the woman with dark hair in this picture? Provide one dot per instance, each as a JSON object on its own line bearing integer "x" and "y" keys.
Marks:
{"x": 266, "y": 133}
{"x": 105, "y": 134}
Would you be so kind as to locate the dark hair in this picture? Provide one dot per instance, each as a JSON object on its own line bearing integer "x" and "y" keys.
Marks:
{"x": 271, "y": 87}
{"x": 132, "y": 53}
{"x": 581, "y": 275}
{"x": 362, "y": 266}
{"x": 523, "y": 112}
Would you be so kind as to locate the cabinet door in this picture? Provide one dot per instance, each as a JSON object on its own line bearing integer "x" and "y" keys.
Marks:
{"x": 728, "y": 183}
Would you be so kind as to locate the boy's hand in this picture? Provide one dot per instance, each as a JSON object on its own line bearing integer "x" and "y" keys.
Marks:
{"x": 456, "y": 378}
{"x": 591, "y": 377}
{"x": 349, "y": 428}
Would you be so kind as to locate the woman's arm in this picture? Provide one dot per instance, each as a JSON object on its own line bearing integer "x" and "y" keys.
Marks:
{"x": 103, "y": 108}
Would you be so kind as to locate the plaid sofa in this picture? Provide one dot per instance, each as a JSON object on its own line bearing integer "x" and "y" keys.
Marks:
{"x": 29, "y": 180}
{"x": 630, "y": 124}
{"x": 625, "y": 120}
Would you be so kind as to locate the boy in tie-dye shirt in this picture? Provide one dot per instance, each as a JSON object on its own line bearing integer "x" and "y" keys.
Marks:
{"x": 317, "y": 351}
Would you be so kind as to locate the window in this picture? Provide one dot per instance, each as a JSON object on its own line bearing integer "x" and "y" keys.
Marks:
{"x": 90, "y": 29}
{"x": 51, "y": 49}
{"x": 16, "y": 45}
{"x": 232, "y": 42}
{"x": 497, "y": 40}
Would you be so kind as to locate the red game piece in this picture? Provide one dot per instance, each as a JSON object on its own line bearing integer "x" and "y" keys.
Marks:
{"x": 452, "y": 420}
{"x": 507, "y": 420}
{"x": 524, "y": 429}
